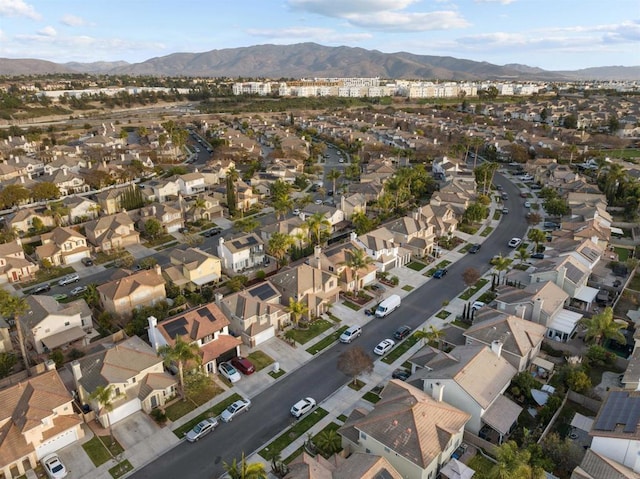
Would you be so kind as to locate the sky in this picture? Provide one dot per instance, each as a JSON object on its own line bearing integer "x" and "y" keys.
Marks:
{"x": 549, "y": 34}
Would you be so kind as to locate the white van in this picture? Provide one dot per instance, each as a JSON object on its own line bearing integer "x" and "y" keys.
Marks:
{"x": 388, "y": 305}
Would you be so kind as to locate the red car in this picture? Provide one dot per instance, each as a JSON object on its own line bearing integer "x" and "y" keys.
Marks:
{"x": 243, "y": 365}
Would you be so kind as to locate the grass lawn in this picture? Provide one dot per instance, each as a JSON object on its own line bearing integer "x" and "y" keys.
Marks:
{"x": 260, "y": 360}
{"x": 334, "y": 318}
{"x": 276, "y": 375}
{"x": 357, "y": 386}
{"x": 165, "y": 238}
{"x": 476, "y": 287}
{"x": 303, "y": 336}
{"x": 487, "y": 231}
{"x": 443, "y": 314}
{"x": 416, "y": 266}
{"x": 460, "y": 324}
{"x": 213, "y": 411}
{"x": 326, "y": 342}
{"x": 120, "y": 469}
{"x": 635, "y": 283}
{"x": 623, "y": 253}
{"x": 497, "y": 214}
{"x": 180, "y": 407}
{"x": 487, "y": 297}
{"x": 351, "y": 305}
{"x": 408, "y": 287}
{"x": 342, "y": 417}
{"x": 294, "y": 432}
{"x": 481, "y": 465}
{"x": 399, "y": 350}
{"x": 329, "y": 427}
{"x": 466, "y": 248}
{"x": 98, "y": 449}
{"x": 371, "y": 397}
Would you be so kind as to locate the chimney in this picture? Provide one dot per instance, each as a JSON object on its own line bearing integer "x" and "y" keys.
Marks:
{"x": 158, "y": 270}
{"x": 496, "y": 347}
{"x": 521, "y": 309}
{"x": 153, "y": 324}
{"x": 561, "y": 276}
{"x": 353, "y": 236}
{"x": 50, "y": 365}
{"x": 75, "y": 369}
{"x": 218, "y": 298}
{"x": 537, "y": 309}
{"x": 438, "y": 391}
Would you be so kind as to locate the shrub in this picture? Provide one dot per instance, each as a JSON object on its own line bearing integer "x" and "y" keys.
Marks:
{"x": 76, "y": 354}
{"x": 395, "y": 280}
{"x": 260, "y": 274}
{"x": 159, "y": 415}
{"x": 57, "y": 357}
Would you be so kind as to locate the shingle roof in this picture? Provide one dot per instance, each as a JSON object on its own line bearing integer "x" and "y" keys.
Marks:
{"x": 194, "y": 324}
{"x": 518, "y": 335}
{"x": 123, "y": 287}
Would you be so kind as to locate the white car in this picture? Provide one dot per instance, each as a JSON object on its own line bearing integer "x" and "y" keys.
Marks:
{"x": 527, "y": 204}
{"x": 296, "y": 211}
{"x": 202, "y": 429}
{"x": 514, "y": 242}
{"x": 68, "y": 279}
{"x": 229, "y": 372}
{"x": 241, "y": 405}
{"x": 53, "y": 466}
{"x": 384, "y": 346}
{"x": 477, "y": 305}
{"x": 318, "y": 202}
{"x": 78, "y": 290}
{"x": 302, "y": 407}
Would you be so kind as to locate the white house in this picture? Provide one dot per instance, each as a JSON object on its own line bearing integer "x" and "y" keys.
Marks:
{"x": 241, "y": 253}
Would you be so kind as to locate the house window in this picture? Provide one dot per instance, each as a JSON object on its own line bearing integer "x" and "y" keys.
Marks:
{"x": 362, "y": 435}
{"x": 67, "y": 323}
{"x": 133, "y": 380}
{"x": 117, "y": 391}
{"x": 331, "y": 268}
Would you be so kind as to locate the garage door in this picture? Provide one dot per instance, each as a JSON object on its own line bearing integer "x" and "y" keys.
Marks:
{"x": 125, "y": 410}
{"x": 57, "y": 443}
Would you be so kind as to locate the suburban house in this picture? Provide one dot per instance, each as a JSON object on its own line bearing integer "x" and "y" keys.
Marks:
{"x": 207, "y": 326}
{"x": 112, "y": 232}
{"x": 210, "y": 209}
{"x": 14, "y": 266}
{"x": 334, "y": 216}
{"x": 414, "y": 432}
{"x": 164, "y": 189}
{"x": 169, "y": 217}
{"x": 80, "y": 209}
{"x": 63, "y": 246}
{"x": 134, "y": 372}
{"x": 441, "y": 217}
{"x": 192, "y": 268}
{"x": 22, "y": 220}
{"x": 520, "y": 339}
{"x": 126, "y": 292}
{"x": 316, "y": 288}
{"x": 255, "y": 313}
{"x": 333, "y": 260}
{"x": 37, "y": 419}
{"x": 382, "y": 247}
{"x": 191, "y": 183}
{"x": 241, "y": 253}
{"x": 413, "y": 234}
{"x": 362, "y": 466}
{"x": 49, "y": 325}
{"x": 353, "y": 204}
{"x": 110, "y": 199}
{"x": 294, "y": 227}
{"x": 472, "y": 378}
{"x": 598, "y": 466}
{"x": 568, "y": 273}
{"x": 5, "y": 337}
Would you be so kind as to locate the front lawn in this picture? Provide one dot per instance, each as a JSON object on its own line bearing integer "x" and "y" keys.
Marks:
{"x": 351, "y": 305}
{"x": 443, "y": 314}
{"x": 101, "y": 449}
{"x": 213, "y": 411}
{"x": 487, "y": 231}
{"x": 160, "y": 240}
{"x": 326, "y": 342}
{"x": 121, "y": 469}
{"x": 371, "y": 397}
{"x": 473, "y": 290}
{"x": 315, "y": 328}
{"x": 260, "y": 360}
{"x": 180, "y": 408}
{"x": 294, "y": 432}
{"x": 399, "y": 350}
{"x": 276, "y": 375}
{"x": 416, "y": 265}
{"x": 408, "y": 288}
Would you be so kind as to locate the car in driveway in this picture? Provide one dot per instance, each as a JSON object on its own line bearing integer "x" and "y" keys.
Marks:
{"x": 202, "y": 429}
{"x": 377, "y": 288}
{"x": 243, "y": 365}
{"x": 212, "y": 232}
{"x": 401, "y": 373}
{"x": 302, "y": 407}
{"x": 402, "y": 332}
{"x": 87, "y": 261}
{"x": 43, "y": 288}
{"x": 53, "y": 466}
{"x": 68, "y": 279}
{"x": 350, "y": 334}
{"x": 239, "y": 406}
{"x": 537, "y": 256}
{"x": 384, "y": 347}
{"x": 440, "y": 273}
{"x": 474, "y": 249}
{"x": 514, "y": 242}
{"x": 477, "y": 305}
{"x": 229, "y": 372}
{"x": 527, "y": 204}
{"x": 78, "y": 290}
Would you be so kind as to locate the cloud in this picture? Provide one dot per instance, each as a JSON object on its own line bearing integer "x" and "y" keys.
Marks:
{"x": 503, "y": 2}
{"x": 48, "y": 31}
{"x": 18, "y": 8}
{"x": 72, "y": 21}
{"x": 309, "y": 34}
{"x": 340, "y": 8}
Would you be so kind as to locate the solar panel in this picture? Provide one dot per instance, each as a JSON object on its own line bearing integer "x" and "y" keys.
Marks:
{"x": 176, "y": 327}
{"x": 206, "y": 313}
{"x": 622, "y": 409}
{"x": 263, "y": 292}
{"x": 383, "y": 474}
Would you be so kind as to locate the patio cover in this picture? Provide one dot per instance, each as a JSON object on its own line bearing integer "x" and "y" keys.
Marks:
{"x": 543, "y": 363}
{"x": 616, "y": 231}
{"x": 586, "y": 294}
{"x": 582, "y": 422}
{"x": 565, "y": 321}
{"x": 206, "y": 279}
{"x": 455, "y": 469}
{"x": 63, "y": 337}
{"x": 502, "y": 414}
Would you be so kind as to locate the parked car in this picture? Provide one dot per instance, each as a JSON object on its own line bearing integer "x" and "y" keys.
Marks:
{"x": 523, "y": 195}
{"x": 68, "y": 279}
{"x": 384, "y": 347}
{"x": 53, "y": 466}
{"x": 401, "y": 374}
{"x": 78, "y": 290}
{"x": 202, "y": 429}
{"x": 474, "y": 249}
{"x": 514, "y": 242}
{"x": 477, "y": 305}
{"x": 440, "y": 273}
{"x": 241, "y": 405}
{"x": 537, "y": 256}
{"x": 243, "y": 365}
{"x": 527, "y": 204}
{"x": 302, "y": 407}
{"x": 296, "y": 211}
{"x": 402, "y": 332}
{"x": 229, "y": 372}
{"x": 350, "y": 334}
{"x": 505, "y": 211}
{"x": 213, "y": 232}
{"x": 377, "y": 288}
{"x": 87, "y": 261}
{"x": 43, "y": 288}
{"x": 457, "y": 454}
{"x": 60, "y": 296}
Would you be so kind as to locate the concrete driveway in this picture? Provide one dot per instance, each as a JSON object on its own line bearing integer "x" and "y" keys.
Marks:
{"x": 76, "y": 459}
{"x": 135, "y": 429}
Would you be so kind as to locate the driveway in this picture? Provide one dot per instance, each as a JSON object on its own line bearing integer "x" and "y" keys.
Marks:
{"x": 76, "y": 459}
{"x": 135, "y": 429}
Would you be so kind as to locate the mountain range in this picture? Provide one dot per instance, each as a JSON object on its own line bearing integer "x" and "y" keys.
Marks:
{"x": 309, "y": 60}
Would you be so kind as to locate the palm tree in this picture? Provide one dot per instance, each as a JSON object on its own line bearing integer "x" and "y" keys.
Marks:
{"x": 232, "y": 179}
{"x": 247, "y": 225}
{"x": 333, "y": 175}
{"x": 318, "y": 222}
{"x": 501, "y": 263}
{"x": 297, "y": 309}
{"x": 91, "y": 295}
{"x": 328, "y": 442}
{"x": 432, "y": 334}
{"x": 198, "y": 205}
{"x": 602, "y": 326}
{"x": 514, "y": 463}
{"x": 13, "y": 307}
{"x": 278, "y": 246}
{"x": 537, "y": 236}
{"x": 356, "y": 260}
{"x": 244, "y": 469}
{"x": 104, "y": 395}
{"x": 522, "y": 255}
{"x": 180, "y": 353}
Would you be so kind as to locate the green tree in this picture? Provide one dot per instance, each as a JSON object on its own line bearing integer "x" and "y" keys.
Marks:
{"x": 232, "y": 193}
{"x": 578, "y": 380}
{"x": 356, "y": 260}
{"x": 91, "y": 295}
{"x": 245, "y": 470}
{"x": 333, "y": 176}
{"x": 278, "y": 246}
{"x": 522, "y": 255}
{"x": 45, "y": 191}
{"x": 602, "y": 326}
{"x": 500, "y": 263}
{"x": 556, "y": 207}
{"x": 12, "y": 195}
{"x": 247, "y": 225}
{"x": 328, "y": 442}
{"x": 13, "y": 307}
{"x": 297, "y": 309}
{"x": 237, "y": 282}
{"x": 430, "y": 335}
{"x": 180, "y": 353}
{"x": 475, "y": 212}
{"x": 105, "y": 397}
{"x": 318, "y": 223}
{"x": 362, "y": 223}
{"x": 153, "y": 228}
{"x": 537, "y": 236}
{"x": 514, "y": 463}
{"x": 570, "y": 121}
{"x": 7, "y": 362}
{"x": 353, "y": 362}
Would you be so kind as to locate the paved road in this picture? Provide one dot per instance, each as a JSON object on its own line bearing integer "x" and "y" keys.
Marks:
{"x": 319, "y": 378}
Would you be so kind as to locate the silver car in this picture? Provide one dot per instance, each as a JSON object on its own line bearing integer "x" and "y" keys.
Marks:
{"x": 202, "y": 429}
{"x": 241, "y": 405}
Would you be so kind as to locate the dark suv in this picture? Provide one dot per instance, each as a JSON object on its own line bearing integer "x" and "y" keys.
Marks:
{"x": 402, "y": 332}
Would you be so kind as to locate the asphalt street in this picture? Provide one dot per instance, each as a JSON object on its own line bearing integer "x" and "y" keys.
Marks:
{"x": 320, "y": 378}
